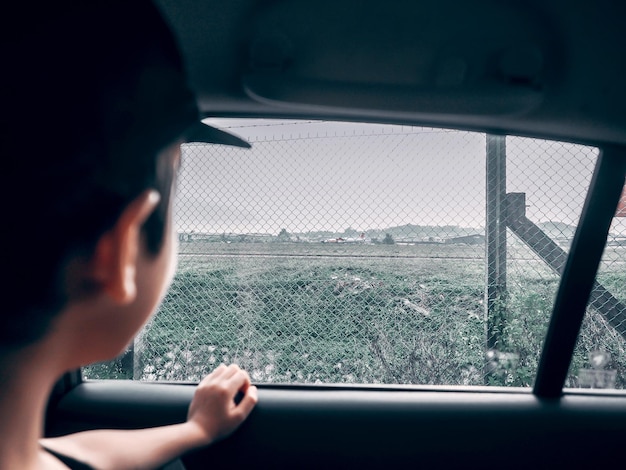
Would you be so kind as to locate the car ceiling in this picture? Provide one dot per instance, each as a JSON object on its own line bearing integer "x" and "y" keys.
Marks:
{"x": 545, "y": 68}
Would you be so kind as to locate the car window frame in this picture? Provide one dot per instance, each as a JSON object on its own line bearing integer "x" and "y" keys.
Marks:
{"x": 579, "y": 273}
{"x": 575, "y": 284}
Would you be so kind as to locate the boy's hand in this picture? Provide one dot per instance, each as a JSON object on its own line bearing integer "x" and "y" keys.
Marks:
{"x": 213, "y": 409}
{"x": 213, "y": 414}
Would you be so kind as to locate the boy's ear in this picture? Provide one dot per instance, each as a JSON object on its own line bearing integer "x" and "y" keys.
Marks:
{"x": 114, "y": 264}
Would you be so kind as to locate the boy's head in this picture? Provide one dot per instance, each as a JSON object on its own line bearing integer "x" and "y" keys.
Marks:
{"x": 91, "y": 92}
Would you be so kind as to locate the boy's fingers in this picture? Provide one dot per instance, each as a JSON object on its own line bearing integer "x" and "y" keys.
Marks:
{"x": 230, "y": 371}
{"x": 248, "y": 401}
{"x": 239, "y": 381}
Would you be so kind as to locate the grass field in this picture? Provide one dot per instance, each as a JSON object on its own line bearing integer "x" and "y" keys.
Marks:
{"x": 350, "y": 313}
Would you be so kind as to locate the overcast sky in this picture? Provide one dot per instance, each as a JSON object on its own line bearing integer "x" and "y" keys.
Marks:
{"x": 309, "y": 176}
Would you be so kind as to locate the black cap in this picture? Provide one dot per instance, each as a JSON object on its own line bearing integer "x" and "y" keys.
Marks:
{"x": 99, "y": 73}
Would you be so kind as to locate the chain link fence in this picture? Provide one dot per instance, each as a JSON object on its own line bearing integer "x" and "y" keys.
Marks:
{"x": 362, "y": 253}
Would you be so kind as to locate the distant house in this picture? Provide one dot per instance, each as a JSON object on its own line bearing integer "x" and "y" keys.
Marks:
{"x": 360, "y": 239}
{"x": 475, "y": 239}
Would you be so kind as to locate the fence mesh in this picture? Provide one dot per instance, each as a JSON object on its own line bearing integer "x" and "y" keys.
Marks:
{"x": 361, "y": 253}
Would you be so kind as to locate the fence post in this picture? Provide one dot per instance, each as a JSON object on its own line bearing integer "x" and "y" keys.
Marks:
{"x": 126, "y": 362}
{"x": 495, "y": 246}
{"x": 138, "y": 355}
{"x": 555, "y": 257}
{"x": 131, "y": 363}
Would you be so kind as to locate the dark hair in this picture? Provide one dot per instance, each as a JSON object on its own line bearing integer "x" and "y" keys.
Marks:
{"x": 84, "y": 90}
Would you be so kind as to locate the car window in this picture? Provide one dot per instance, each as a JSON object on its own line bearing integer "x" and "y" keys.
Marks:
{"x": 366, "y": 253}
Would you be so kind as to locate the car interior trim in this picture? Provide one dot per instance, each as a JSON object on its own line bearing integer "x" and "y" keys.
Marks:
{"x": 580, "y": 270}
{"x": 290, "y": 422}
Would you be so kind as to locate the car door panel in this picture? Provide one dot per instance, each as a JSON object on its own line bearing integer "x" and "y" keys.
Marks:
{"x": 371, "y": 427}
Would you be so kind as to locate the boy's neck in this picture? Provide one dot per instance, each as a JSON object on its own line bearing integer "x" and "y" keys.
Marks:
{"x": 26, "y": 384}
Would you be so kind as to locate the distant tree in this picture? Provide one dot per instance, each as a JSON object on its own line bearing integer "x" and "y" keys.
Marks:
{"x": 388, "y": 240}
{"x": 284, "y": 235}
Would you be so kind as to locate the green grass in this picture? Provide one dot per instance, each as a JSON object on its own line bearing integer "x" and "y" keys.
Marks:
{"x": 309, "y": 313}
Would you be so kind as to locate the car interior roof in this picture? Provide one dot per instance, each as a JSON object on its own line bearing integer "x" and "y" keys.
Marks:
{"x": 542, "y": 68}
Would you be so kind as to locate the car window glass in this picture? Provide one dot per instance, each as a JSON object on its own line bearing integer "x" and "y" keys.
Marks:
{"x": 364, "y": 253}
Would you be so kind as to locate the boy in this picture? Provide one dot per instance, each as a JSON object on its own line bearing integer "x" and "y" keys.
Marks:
{"x": 95, "y": 107}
